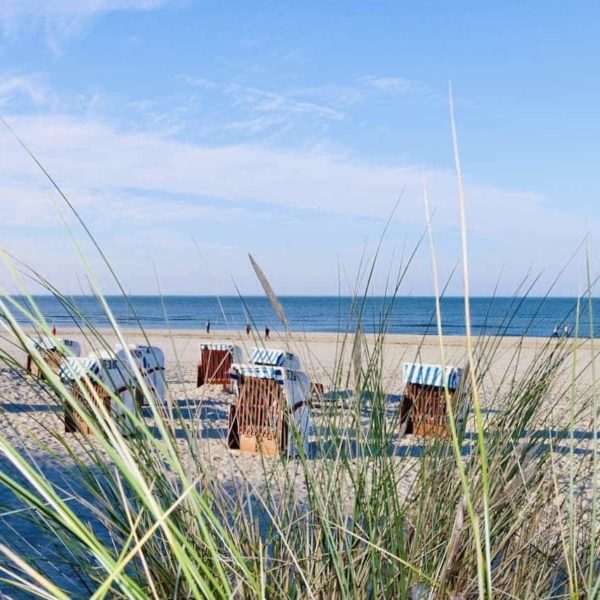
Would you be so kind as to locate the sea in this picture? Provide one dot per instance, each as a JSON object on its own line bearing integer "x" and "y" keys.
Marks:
{"x": 497, "y": 316}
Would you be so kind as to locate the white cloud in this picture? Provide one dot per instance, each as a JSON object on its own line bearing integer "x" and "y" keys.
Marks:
{"x": 59, "y": 19}
{"x": 18, "y": 88}
{"x": 396, "y": 85}
{"x": 118, "y": 178}
{"x": 289, "y": 104}
{"x": 14, "y": 10}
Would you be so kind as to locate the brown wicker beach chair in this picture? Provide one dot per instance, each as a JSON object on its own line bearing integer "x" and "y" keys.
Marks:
{"x": 423, "y": 410}
{"x": 215, "y": 364}
{"x": 270, "y": 410}
{"x": 261, "y": 421}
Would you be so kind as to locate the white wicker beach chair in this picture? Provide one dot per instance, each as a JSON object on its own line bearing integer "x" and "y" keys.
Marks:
{"x": 150, "y": 361}
{"x": 52, "y": 350}
{"x": 94, "y": 380}
{"x": 271, "y": 413}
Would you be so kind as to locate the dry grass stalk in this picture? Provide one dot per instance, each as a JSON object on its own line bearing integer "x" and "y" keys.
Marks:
{"x": 269, "y": 293}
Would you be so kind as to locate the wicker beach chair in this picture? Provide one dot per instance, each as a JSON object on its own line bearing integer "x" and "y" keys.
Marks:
{"x": 150, "y": 361}
{"x": 271, "y": 413}
{"x": 215, "y": 364}
{"x": 52, "y": 351}
{"x": 93, "y": 382}
{"x": 424, "y": 410}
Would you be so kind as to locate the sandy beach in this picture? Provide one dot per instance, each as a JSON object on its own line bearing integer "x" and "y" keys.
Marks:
{"x": 22, "y": 411}
{"x": 35, "y": 426}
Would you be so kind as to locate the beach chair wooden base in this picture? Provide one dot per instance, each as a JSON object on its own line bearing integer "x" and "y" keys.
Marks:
{"x": 260, "y": 415}
{"x": 424, "y": 410}
{"x": 73, "y": 421}
{"x": 430, "y": 428}
{"x": 52, "y": 359}
{"x": 263, "y": 446}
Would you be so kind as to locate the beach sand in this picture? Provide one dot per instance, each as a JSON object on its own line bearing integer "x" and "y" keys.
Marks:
{"x": 36, "y": 428}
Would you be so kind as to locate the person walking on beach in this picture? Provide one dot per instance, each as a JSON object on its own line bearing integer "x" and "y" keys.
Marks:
{"x": 248, "y": 329}
{"x": 566, "y": 331}
{"x": 555, "y": 331}
{"x": 267, "y": 332}
{"x": 208, "y": 326}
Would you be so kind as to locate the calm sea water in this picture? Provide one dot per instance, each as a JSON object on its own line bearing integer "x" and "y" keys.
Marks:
{"x": 493, "y": 316}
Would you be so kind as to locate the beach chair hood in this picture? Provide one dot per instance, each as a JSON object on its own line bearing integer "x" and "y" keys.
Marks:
{"x": 47, "y": 343}
{"x": 275, "y": 358}
{"x": 432, "y": 375}
{"x": 235, "y": 351}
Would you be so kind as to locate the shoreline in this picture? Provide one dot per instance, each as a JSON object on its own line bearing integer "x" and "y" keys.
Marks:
{"x": 220, "y": 335}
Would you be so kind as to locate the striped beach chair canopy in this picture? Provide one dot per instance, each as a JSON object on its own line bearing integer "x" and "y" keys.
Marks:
{"x": 147, "y": 358}
{"x": 44, "y": 342}
{"x": 260, "y": 371}
{"x": 234, "y": 351}
{"x": 275, "y": 358}
{"x": 209, "y": 346}
{"x": 73, "y": 368}
{"x": 432, "y": 375}
{"x": 48, "y": 343}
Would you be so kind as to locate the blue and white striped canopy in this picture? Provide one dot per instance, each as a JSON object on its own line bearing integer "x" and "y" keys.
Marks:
{"x": 73, "y": 368}
{"x": 263, "y": 372}
{"x": 208, "y": 346}
{"x": 276, "y": 358}
{"x": 265, "y": 356}
{"x": 431, "y": 375}
{"x": 45, "y": 343}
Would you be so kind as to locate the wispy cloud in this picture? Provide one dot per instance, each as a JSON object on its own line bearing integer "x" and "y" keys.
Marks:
{"x": 23, "y": 90}
{"x": 152, "y": 182}
{"x": 274, "y": 108}
{"x": 60, "y": 19}
{"x": 395, "y": 85}
{"x": 15, "y": 10}
{"x": 92, "y": 155}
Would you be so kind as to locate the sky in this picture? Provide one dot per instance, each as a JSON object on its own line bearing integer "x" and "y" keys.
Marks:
{"x": 187, "y": 134}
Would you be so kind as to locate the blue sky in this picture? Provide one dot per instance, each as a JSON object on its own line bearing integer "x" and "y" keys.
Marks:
{"x": 191, "y": 133}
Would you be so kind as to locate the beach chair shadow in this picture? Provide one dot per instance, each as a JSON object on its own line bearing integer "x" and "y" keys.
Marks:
{"x": 17, "y": 408}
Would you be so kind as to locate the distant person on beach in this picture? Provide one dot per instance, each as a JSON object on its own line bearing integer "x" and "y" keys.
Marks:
{"x": 267, "y": 332}
{"x": 207, "y": 326}
{"x": 566, "y": 331}
{"x": 247, "y": 328}
{"x": 555, "y": 331}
